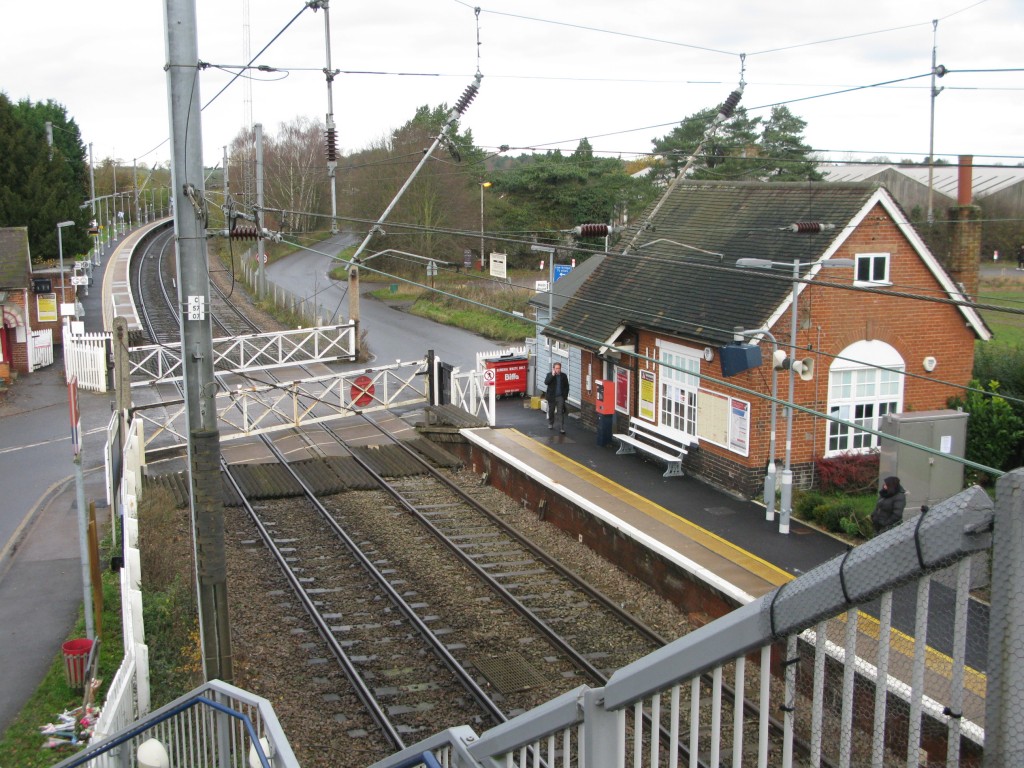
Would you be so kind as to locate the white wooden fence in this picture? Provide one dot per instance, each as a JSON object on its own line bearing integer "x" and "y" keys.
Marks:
{"x": 85, "y": 356}
{"x": 41, "y": 349}
{"x": 128, "y": 698}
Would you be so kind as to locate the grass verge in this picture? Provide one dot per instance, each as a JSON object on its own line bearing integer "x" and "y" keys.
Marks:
{"x": 22, "y": 743}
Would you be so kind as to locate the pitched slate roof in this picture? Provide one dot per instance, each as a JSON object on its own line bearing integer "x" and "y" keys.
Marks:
{"x": 679, "y": 276}
{"x": 567, "y": 285}
{"x": 14, "y": 257}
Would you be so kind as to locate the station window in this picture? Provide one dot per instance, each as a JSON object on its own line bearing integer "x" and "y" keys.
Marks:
{"x": 864, "y": 385}
{"x": 873, "y": 268}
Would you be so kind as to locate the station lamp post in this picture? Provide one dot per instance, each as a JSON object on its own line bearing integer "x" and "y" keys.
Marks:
{"x": 786, "y": 499}
{"x": 60, "y": 254}
{"x": 771, "y": 474}
{"x": 483, "y": 185}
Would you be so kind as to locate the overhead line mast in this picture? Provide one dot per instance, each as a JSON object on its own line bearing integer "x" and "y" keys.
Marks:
{"x": 331, "y": 137}
{"x": 190, "y": 221}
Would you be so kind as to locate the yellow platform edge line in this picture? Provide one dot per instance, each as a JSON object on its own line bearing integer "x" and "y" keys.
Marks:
{"x": 974, "y": 680}
{"x": 711, "y": 541}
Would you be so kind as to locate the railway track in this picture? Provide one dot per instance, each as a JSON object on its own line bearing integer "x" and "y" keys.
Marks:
{"x": 154, "y": 284}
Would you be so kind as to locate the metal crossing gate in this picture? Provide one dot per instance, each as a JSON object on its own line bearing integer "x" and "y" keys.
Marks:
{"x": 272, "y": 408}
{"x": 155, "y": 363}
{"x": 85, "y": 356}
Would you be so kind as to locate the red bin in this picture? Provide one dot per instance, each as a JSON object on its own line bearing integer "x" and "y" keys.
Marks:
{"x": 76, "y": 659}
{"x": 509, "y": 375}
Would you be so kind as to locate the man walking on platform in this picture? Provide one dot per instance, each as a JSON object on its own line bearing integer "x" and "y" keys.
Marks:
{"x": 557, "y": 386}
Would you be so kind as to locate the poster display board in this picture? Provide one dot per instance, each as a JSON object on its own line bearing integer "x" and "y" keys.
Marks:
{"x": 724, "y": 421}
{"x": 46, "y": 307}
{"x": 645, "y": 407}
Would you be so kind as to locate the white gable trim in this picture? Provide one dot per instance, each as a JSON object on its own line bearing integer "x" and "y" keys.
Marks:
{"x": 970, "y": 314}
{"x": 881, "y": 196}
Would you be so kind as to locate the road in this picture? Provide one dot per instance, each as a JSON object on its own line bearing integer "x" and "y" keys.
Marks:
{"x": 391, "y": 334}
{"x": 40, "y": 567}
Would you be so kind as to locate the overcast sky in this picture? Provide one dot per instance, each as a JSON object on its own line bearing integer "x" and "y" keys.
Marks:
{"x": 618, "y": 72}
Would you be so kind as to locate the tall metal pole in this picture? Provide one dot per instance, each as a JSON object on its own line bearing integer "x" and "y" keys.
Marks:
{"x": 260, "y": 246}
{"x": 83, "y": 546}
{"x": 92, "y": 201}
{"x": 770, "y": 474}
{"x": 190, "y": 219}
{"x": 786, "y": 500}
{"x": 483, "y": 185}
{"x": 92, "y": 182}
{"x": 135, "y": 186}
{"x": 931, "y": 129}
{"x": 227, "y": 181}
{"x": 60, "y": 256}
{"x": 332, "y": 134}
{"x": 113, "y": 197}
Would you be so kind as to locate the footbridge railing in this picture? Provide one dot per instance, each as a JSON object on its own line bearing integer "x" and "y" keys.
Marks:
{"x": 216, "y": 724}
{"x": 889, "y": 655}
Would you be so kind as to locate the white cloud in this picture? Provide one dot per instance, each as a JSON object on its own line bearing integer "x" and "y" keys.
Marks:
{"x": 543, "y": 82}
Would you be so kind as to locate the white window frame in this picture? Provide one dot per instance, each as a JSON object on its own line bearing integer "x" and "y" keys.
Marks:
{"x": 872, "y": 260}
{"x": 677, "y": 390}
{"x": 560, "y": 348}
{"x": 865, "y": 384}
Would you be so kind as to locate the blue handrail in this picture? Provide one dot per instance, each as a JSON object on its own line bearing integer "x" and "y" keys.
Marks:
{"x": 92, "y": 752}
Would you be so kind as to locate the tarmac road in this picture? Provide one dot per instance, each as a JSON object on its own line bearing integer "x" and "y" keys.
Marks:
{"x": 391, "y": 334}
{"x": 40, "y": 566}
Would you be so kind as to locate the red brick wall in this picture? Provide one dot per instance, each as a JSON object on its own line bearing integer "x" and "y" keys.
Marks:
{"x": 14, "y": 304}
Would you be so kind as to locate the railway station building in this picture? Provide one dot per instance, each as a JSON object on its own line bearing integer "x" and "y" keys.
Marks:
{"x": 29, "y": 302}
{"x": 883, "y": 325}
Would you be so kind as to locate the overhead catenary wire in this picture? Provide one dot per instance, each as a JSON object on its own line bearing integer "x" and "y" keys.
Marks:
{"x": 702, "y": 376}
{"x": 728, "y": 331}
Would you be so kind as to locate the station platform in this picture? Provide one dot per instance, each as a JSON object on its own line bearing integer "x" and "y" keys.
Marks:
{"x": 722, "y": 540}
{"x": 725, "y": 537}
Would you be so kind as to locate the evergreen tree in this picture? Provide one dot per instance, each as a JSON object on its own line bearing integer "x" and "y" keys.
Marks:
{"x": 555, "y": 192}
{"x": 729, "y": 156}
{"x": 42, "y": 185}
{"x": 785, "y": 156}
{"x": 742, "y": 148}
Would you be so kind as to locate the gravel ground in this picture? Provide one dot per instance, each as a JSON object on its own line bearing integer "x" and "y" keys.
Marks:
{"x": 274, "y": 641}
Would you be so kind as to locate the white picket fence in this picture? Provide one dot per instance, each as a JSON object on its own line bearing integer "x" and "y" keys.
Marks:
{"x": 41, "y": 349}
{"x": 483, "y": 357}
{"x": 128, "y": 698}
{"x": 85, "y": 356}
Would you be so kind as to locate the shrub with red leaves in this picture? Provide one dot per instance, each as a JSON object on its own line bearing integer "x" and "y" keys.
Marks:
{"x": 848, "y": 473}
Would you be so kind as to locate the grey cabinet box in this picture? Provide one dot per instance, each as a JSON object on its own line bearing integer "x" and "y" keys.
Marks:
{"x": 927, "y": 477}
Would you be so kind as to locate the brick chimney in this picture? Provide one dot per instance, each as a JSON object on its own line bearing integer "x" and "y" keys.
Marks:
{"x": 964, "y": 260}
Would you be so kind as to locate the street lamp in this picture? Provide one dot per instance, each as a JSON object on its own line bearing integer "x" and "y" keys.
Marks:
{"x": 786, "y": 500}
{"x": 60, "y": 254}
{"x": 483, "y": 185}
{"x": 770, "y": 474}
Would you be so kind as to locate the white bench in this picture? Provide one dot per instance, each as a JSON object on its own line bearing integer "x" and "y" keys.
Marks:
{"x": 644, "y": 437}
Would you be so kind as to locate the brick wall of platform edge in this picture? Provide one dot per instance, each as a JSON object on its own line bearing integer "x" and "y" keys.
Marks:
{"x": 685, "y": 590}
